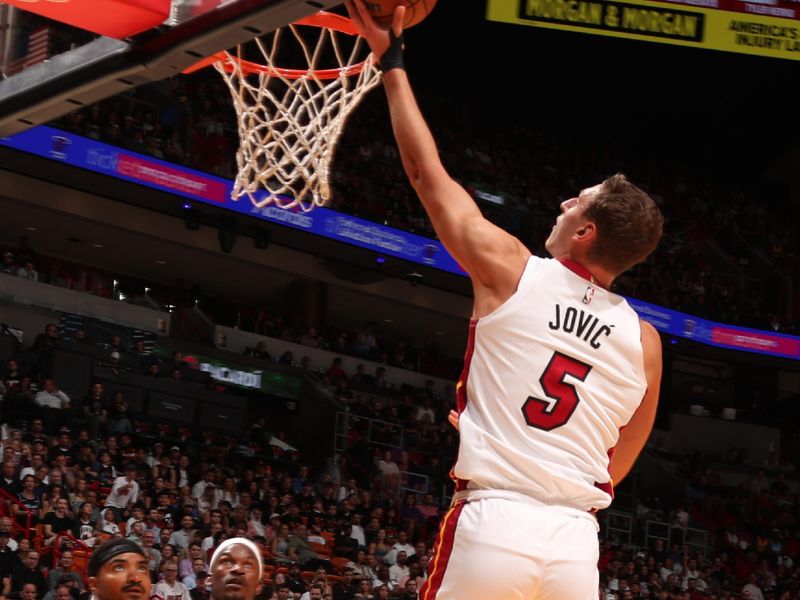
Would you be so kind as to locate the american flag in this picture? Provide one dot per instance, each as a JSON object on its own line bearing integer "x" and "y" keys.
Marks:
{"x": 37, "y": 51}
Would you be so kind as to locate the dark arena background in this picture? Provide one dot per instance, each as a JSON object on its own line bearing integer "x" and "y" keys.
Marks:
{"x": 287, "y": 376}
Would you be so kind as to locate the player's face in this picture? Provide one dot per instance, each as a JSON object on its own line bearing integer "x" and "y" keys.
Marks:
{"x": 124, "y": 577}
{"x": 559, "y": 242}
{"x": 234, "y": 574}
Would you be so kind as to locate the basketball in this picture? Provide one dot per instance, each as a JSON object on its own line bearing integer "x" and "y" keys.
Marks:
{"x": 416, "y": 10}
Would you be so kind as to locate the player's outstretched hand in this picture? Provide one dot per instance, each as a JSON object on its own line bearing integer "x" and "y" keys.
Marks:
{"x": 453, "y": 418}
{"x": 376, "y": 36}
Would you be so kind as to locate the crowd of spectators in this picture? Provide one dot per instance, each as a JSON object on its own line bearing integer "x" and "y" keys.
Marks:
{"x": 361, "y": 526}
{"x": 78, "y": 470}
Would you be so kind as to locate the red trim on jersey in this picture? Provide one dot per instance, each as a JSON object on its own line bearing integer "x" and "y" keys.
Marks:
{"x": 580, "y": 270}
{"x": 461, "y": 392}
{"x": 461, "y": 385}
{"x": 460, "y": 484}
{"x": 608, "y": 487}
{"x": 441, "y": 554}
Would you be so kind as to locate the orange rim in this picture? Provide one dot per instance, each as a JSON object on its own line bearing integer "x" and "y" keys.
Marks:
{"x": 323, "y": 20}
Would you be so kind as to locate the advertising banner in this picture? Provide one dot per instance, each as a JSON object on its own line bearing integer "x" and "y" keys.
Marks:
{"x": 763, "y": 28}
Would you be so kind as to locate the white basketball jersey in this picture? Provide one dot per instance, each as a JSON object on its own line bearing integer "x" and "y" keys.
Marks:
{"x": 551, "y": 376}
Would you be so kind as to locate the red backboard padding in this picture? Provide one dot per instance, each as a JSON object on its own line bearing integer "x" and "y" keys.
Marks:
{"x": 112, "y": 18}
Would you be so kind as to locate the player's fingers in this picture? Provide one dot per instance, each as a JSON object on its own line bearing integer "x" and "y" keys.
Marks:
{"x": 367, "y": 22}
{"x": 397, "y": 19}
{"x": 354, "y": 16}
{"x": 453, "y": 418}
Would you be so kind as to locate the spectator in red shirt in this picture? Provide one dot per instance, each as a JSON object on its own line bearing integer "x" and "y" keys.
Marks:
{"x": 335, "y": 373}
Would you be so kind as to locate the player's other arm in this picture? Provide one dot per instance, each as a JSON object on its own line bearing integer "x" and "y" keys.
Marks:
{"x": 492, "y": 257}
{"x": 634, "y": 436}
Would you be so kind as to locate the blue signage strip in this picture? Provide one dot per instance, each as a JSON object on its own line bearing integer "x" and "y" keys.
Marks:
{"x": 202, "y": 187}
{"x": 717, "y": 334}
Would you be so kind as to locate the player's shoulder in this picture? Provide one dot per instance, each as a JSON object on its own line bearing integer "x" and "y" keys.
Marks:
{"x": 651, "y": 344}
{"x": 649, "y": 333}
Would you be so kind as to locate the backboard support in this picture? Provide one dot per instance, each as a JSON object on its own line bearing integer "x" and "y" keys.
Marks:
{"x": 105, "y": 67}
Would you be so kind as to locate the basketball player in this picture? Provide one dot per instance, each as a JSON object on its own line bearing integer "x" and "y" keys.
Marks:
{"x": 118, "y": 570}
{"x": 561, "y": 379}
{"x": 235, "y": 570}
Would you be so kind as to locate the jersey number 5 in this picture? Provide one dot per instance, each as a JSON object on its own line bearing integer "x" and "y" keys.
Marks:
{"x": 549, "y": 415}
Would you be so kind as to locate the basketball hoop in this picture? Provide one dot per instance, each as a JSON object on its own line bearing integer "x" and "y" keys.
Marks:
{"x": 290, "y": 119}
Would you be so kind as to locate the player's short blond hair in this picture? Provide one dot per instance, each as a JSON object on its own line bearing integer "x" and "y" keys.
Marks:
{"x": 629, "y": 224}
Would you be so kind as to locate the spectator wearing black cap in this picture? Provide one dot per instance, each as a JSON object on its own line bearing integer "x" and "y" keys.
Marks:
{"x": 294, "y": 580}
{"x": 118, "y": 571}
{"x": 64, "y": 446}
{"x": 169, "y": 516}
{"x": 344, "y": 544}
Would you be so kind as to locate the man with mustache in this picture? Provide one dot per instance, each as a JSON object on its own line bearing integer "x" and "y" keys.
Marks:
{"x": 235, "y": 570}
{"x": 118, "y": 571}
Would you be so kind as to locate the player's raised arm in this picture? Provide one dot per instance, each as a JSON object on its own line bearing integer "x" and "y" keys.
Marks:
{"x": 493, "y": 258}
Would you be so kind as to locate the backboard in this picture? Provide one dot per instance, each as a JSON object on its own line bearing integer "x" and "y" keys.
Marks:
{"x": 49, "y": 69}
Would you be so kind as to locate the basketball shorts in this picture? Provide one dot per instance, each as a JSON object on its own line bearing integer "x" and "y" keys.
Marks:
{"x": 493, "y": 548}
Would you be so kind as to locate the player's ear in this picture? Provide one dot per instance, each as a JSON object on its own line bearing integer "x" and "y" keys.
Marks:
{"x": 92, "y": 582}
{"x": 586, "y": 232}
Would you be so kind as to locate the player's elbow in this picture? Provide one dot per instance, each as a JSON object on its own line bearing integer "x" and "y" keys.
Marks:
{"x": 425, "y": 176}
{"x": 419, "y": 179}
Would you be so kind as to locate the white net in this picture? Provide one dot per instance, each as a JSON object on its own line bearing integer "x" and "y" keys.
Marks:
{"x": 290, "y": 120}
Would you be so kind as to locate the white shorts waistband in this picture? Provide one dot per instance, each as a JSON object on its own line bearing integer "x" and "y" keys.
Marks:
{"x": 473, "y": 495}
